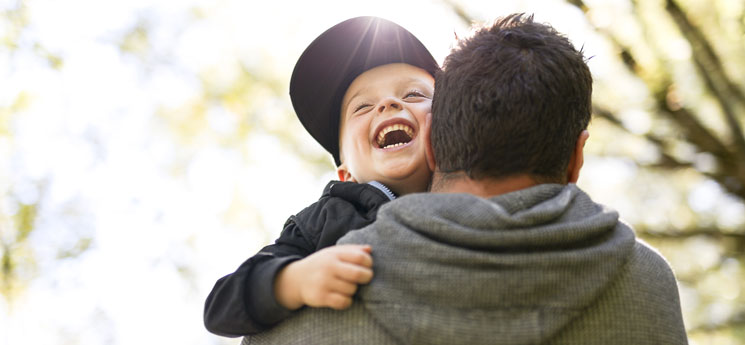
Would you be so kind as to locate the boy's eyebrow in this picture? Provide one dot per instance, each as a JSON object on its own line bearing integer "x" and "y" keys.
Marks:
{"x": 419, "y": 82}
{"x": 356, "y": 94}
{"x": 414, "y": 80}
{"x": 409, "y": 80}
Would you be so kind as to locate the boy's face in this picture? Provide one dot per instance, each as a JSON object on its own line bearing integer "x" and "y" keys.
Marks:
{"x": 382, "y": 113}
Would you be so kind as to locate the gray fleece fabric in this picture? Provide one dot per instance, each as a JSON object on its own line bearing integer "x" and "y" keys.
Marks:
{"x": 543, "y": 265}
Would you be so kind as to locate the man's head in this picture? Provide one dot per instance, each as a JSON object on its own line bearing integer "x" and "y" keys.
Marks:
{"x": 511, "y": 100}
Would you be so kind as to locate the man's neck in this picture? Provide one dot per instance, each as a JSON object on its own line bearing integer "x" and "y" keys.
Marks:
{"x": 485, "y": 188}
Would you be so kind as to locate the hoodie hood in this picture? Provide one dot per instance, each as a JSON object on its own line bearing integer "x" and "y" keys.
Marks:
{"x": 513, "y": 269}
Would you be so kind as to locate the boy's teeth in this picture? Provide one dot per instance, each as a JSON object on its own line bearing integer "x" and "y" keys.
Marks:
{"x": 393, "y": 145}
{"x": 397, "y": 127}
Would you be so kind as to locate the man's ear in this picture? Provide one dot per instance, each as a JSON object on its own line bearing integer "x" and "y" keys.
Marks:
{"x": 344, "y": 174}
{"x": 578, "y": 158}
{"x": 429, "y": 155}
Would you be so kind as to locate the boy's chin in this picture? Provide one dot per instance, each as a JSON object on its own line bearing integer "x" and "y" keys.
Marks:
{"x": 399, "y": 171}
{"x": 411, "y": 175}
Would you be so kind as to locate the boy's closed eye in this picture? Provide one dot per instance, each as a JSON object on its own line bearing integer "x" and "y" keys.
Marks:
{"x": 409, "y": 95}
{"x": 361, "y": 106}
{"x": 415, "y": 93}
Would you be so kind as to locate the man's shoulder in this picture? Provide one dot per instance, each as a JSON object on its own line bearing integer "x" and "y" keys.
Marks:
{"x": 647, "y": 273}
{"x": 325, "y": 326}
{"x": 646, "y": 261}
{"x": 648, "y": 280}
{"x": 641, "y": 306}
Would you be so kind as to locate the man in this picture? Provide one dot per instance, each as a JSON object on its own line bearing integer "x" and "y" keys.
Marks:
{"x": 506, "y": 249}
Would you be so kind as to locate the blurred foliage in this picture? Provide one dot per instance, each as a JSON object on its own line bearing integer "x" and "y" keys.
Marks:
{"x": 248, "y": 98}
{"x": 15, "y": 257}
{"x": 234, "y": 101}
{"x": 15, "y": 20}
{"x": 16, "y": 225}
{"x": 18, "y": 218}
{"x": 678, "y": 129}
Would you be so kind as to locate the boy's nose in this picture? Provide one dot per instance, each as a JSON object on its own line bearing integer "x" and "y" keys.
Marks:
{"x": 390, "y": 103}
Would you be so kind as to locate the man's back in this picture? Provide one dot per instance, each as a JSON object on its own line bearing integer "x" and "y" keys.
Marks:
{"x": 541, "y": 265}
{"x": 641, "y": 307}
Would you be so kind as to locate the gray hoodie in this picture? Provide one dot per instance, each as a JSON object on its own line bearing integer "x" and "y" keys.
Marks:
{"x": 543, "y": 265}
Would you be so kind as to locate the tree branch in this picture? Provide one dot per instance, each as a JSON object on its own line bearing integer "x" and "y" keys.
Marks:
{"x": 696, "y": 132}
{"x": 726, "y": 177}
{"x": 459, "y": 11}
{"x": 713, "y": 233}
{"x": 731, "y": 164}
{"x": 579, "y": 4}
{"x": 711, "y": 70}
{"x": 703, "y": 49}
{"x": 737, "y": 320}
{"x": 612, "y": 118}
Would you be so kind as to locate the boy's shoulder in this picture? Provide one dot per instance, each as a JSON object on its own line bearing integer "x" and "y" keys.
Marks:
{"x": 364, "y": 196}
{"x": 342, "y": 207}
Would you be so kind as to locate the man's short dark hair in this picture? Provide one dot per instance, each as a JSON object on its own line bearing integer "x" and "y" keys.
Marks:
{"x": 511, "y": 99}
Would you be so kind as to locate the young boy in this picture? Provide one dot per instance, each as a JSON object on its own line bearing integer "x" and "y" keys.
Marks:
{"x": 362, "y": 89}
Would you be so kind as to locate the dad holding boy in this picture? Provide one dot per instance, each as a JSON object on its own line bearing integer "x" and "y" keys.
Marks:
{"x": 506, "y": 249}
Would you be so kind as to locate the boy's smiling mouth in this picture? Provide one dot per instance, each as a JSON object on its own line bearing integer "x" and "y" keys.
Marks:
{"x": 395, "y": 133}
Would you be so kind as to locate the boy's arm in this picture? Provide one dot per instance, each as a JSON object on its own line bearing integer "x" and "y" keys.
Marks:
{"x": 244, "y": 302}
{"x": 330, "y": 276}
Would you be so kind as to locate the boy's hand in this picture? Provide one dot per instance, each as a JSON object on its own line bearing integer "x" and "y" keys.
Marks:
{"x": 326, "y": 278}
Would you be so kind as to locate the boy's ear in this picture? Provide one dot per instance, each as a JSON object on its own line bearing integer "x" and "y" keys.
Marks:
{"x": 344, "y": 174}
{"x": 578, "y": 158}
{"x": 427, "y": 141}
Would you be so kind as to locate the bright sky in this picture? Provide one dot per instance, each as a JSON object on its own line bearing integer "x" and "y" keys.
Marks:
{"x": 127, "y": 289}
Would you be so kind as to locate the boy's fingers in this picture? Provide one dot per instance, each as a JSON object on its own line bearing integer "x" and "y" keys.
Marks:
{"x": 338, "y": 301}
{"x": 343, "y": 287}
{"x": 356, "y": 254}
{"x": 353, "y": 273}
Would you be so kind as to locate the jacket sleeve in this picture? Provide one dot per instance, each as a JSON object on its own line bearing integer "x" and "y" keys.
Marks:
{"x": 243, "y": 303}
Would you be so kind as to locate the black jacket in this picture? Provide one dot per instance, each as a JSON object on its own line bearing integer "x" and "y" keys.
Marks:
{"x": 243, "y": 303}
